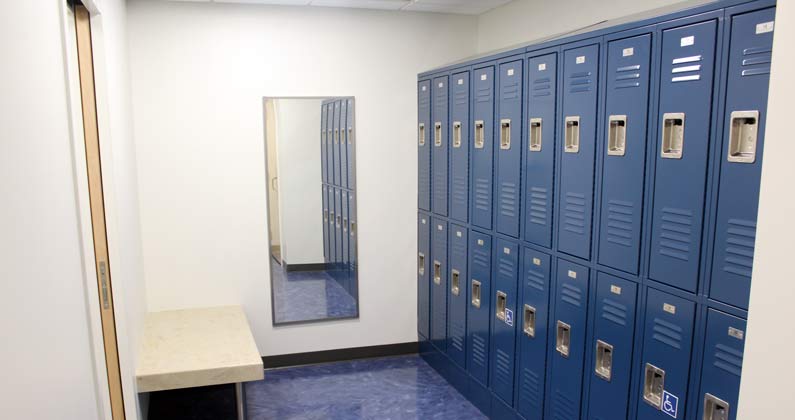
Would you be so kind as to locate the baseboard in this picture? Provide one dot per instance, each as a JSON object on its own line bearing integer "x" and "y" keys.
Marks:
{"x": 304, "y": 267}
{"x": 338, "y": 355}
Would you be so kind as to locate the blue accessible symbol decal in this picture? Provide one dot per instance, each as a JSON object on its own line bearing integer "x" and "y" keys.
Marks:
{"x": 509, "y": 317}
{"x": 670, "y": 404}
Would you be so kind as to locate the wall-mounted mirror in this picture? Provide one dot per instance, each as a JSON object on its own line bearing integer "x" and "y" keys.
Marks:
{"x": 311, "y": 180}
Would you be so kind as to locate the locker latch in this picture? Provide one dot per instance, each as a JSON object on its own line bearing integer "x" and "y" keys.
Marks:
{"x": 455, "y": 284}
{"x": 604, "y": 360}
{"x": 353, "y": 228}
{"x": 479, "y": 134}
{"x": 325, "y": 216}
{"x": 742, "y": 136}
{"x": 653, "y": 386}
{"x": 350, "y": 135}
{"x": 421, "y": 263}
{"x": 339, "y": 221}
{"x": 437, "y": 272}
{"x": 715, "y": 408}
{"x": 421, "y": 134}
{"x": 563, "y": 339}
{"x": 502, "y": 299}
{"x": 535, "y": 134}
{"x": 457, "y": 134}
{"x": 529, "y": 325}
{"x": 572, "y": 134}
{"x": 673, "y": 135}
{"x": 475, "y": 293}
{"x": 617, "y": 135}
{"x": 437, "y": 134}
{"x": 505, "y": 134}
{"x": 337, "y": 136}
{"x": 345, "y": 224}
{"x": 332, "y": 218}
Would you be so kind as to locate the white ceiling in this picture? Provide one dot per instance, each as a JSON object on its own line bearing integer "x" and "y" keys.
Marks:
{"x": 466, "y": 7}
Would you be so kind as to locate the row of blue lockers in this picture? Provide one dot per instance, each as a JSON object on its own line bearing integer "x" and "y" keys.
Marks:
{"x": 638, "y": 150}
{"x": 337, "y": 143}
{"x": 339, "y": 227}
{"x": 530, "y": 335}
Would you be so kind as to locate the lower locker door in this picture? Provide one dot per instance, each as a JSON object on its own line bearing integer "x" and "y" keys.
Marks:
{"x": 722, "y": 367}
{"x": 479, "y": 310}
{"x": 344, "y": 264}
{"x": 457, "y": 295}
{"x": 503, "y": 331}
{"x": 439, "y": 283}
{"x": 423, "y": 275}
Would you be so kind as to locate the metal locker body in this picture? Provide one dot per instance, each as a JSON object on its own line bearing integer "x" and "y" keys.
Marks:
{"x": 741, "y": 156}
{"x": 509, "y": 147}
{"x": 343, "y": 152}
{"x": 482, "y": 147}
{"x": 336, "y": 175}
{"x": 722, "y": 366}
{"x": 323, "y": 147}
{"x": 459, "y": 147}
{"x": 539, "y": 149}
{"x": 685, "y": 103}
{"x": 624, "y": 155}
{"x": 578, "y": 135}
{"x": 504, "y": 318}
{"x": 479, "y": 312}
{"x": 351, "y": 141}
{"x": 424, "y": 145}
{"x": 612, "y": 344}
{"x": 345, "y": 243}
{"x": 665, "y": 365}
{"x": 325, "y": 216}
{"x": 457, "y": 295}
{"x": 533, "y": 317}
{"x": 339, "y": 255}
{"x": 567, "y": 341}
{"x": 424, "y": 272}
{"x": 439, "y": 269}
{"x": 440, "y": 131}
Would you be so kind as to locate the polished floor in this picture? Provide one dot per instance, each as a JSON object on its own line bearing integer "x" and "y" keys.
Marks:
{"x": 394, "y": 388}
{"x": 311, "y": 295}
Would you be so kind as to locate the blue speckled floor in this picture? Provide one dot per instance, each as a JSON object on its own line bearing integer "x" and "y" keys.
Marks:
{"x": 404, "y": 388}
{"x": 309, "y": 295}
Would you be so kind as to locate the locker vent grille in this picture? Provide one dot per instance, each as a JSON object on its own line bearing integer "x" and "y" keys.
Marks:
{"x": 530, "y": 390}
{"x": 482, "y": 194}
{"x": 457, "y": 334}
{"x": 508, "y": 199}
{"x": 480, "y": 258}
{"x": 511, "y": 90}
{"x": 506, "y": 267}
{"x": 459, "y": 190}
{"x": 756, "y": 61}
{"x": 614, "y": 312}
{"x": 538, "y": 205}
{"x": 728, "y": 359}
{"x": 571, "y": 295}
{"x": 536, "y": 280}
{"x": 503, "y": 372}
{"x": 667, "y": 333}
{"x": 626, "y": 76}
{"x": 479, "y": 350}
{"x": 686, "y": 69}
{"x": 574, "y": 220}
{"x": 580, "y": 82}
{"x": 461, "y": 96}
{"x": 619, "y": 222}
{"x": 740, "y": 238}
{"x": 676, "y": 229}
{"x": 563, "y": 407}
{"x": 542, "y": 87}
{"x": 484, "y": 93}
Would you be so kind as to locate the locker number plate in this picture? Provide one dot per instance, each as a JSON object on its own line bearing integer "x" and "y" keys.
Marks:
{"x": 542, "y": 66}
{"x": 615, "y": 289}
{"x": 628, "y": 52}
{"x": 572, "y": 274}
{"x": 484, "y": 76}
{"x": 738, "y": 334}
{"x": 480, "y": 242}
{"x": 765, "y": 27}
{"x": 671, "y": 309}
{"x": 687, "y": 41}
{"x": 510, "y": 72}
{"x": 537, "y": 261}
{"x": 507, "y": 251}
{"x": 580, "y": 59}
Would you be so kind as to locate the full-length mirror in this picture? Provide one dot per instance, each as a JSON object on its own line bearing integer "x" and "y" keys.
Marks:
{"x": 311, "y": 180}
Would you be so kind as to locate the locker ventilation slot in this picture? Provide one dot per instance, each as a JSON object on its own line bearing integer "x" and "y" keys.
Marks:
{"x": 535, "y": 134}
{"x": 627, "y": 77}
{"x": 619, "y": 222}
{"x": 530, "y": 388}
{"x": 542, "y": 87}
{"x": 684, "y": 71}
{"x": 536, "y": 280}
{"x": 503, "y": 374}
{"x": 479, "y": 351}
{"x": 538, "y": 205}
{"x": 482, "y": 194}
{"x": 574, "y": 214}
{"x": 563, "y": 407}
{"x": 614, "y": 312}
{"x": 571, "y": 295}
{"x": 740, "y": 238}
{"x": 728, "y": 360}
{"x": 676, "y": 229}
{"x": 508, "y": 199}
{"x": 756, "y": 61}
{"x": 668, "y": 333}
{"x": 580, "y": 82}
{"x": 742, "y": 136}
{"x": 479, "y": 135}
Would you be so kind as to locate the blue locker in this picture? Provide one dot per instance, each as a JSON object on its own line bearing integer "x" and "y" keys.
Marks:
{"x": 457, "y": 295}
{"x": 684, "y": 116}
{"x": 345, "y": 263}
{"x": 351, "y": 152}
{"x": 352, "y": 246}
{"x": 423, "y": 145}
{"x": 479, "y": 311}
{"x": 440, "y": 154}
{"x": 741, "y": 156}
{"x": 503, "y": 326}
{"x": 533, "y": 317}
{"x": 459, "y": 148}
{"x": 338, "y": 253}
{"x": 568, "y": 340}
{"x": 329, "y": 143}
{"x": 323, "y": 148}
{"x": 612, "y": 346}
{"x": 665, "y": 365}
{"x": 540, "y": 148}
{"x": 335, "y": 146}
{"x": 509, "y": 153}
{"x": 482, "y": 147}
{"x": 332, "y": 230}
{"x": 343, "y": 153}
{"x": 624, "y": 156}
{"x": 580, "y": 93}
{"x": 439, "y": 284}
{"x": 722, "y": 367}
{"x": 326, "y": 249}
{"x": 423, "y": 275}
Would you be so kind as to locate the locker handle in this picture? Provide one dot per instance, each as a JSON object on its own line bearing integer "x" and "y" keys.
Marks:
{"x": 345, "y": 224}
{"x": 421, "y": 263}
{"x": 353, "y": 228}
{"x": 455, "y": 284}
{"x": 457, "y": 134}
{"x": 437, "y": 272}
{"x": 339, "y": 221}
{"x": 337, "y": 136}
{"x": 742, "y": 136}
{"x": 563, "y": 339}
{"x": 421, "y": 134}
{"x": 350, "y": 135}
{"x": 572, "y": 134}
{"x": 617, "y": 135}
{"x": 475, "y": 300}
{"x": 505, "y": 134}
{"x": 332, "y": 217}
{"x": 479, "y": 135}
{"x": 673, "y": 135}
{"x": 325, "y": 216}
{"x": 502, "y": 300}
{"x": 437, "y": 134}
{"x": 604, "y": 360}
{"x": 715, "y": 408}
{"x": 529, "y": 325}
{"x": 323, "y": 137}
{"x": 653, "y": 386}
{"x": 535, "y": 134}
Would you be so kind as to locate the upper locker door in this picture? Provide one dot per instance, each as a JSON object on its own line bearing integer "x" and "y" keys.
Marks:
{"x": 503, "y": 327}
{"x": 509, "y": 151}
{"x": 722, "y": 367}
{"x": 624, "y": 156}
{"x": 423, "y": 145}
{"x": 479, "y": 311}
{"x": 439, "y": 115}
{"x": 580, "y": 92}
{"x": 350, "y": 138}
{"x": 343, "y": 143}
{"x": 329, "y": 176}
{"x": 323, "y": 149}
{"x": 439, "y": 283}
{"x": 684, "y": 115}
{"x": 457, "y": 295}
{"x": 741, "y": 156}
{"x": 459, "y": 148}
{"x": 336, "y": 175}
{"x": 423, "y": 275}
{"x": 540, "y": 149}
{"x": 483, "y": 147}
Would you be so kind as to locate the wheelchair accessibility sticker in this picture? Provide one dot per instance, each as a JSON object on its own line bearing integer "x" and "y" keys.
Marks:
{"x": 670, "y": 404}
{"x": 509, "y": 317}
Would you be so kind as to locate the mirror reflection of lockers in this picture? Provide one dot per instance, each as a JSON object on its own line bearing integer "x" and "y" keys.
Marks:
{"x": 313, "y": 230}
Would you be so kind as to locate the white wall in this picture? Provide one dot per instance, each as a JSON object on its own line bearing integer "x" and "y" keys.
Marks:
{"x": 199, "y": 72}
{"x": 298, "y": 138}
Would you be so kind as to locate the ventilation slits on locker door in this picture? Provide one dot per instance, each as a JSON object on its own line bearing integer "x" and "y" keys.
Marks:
{"x": 614, "y": 312}
{"x": 530, "y": 389}
{"x": 668, "y": 333}
{"x": 542, "y": 87}
{"x": 626, "y": 76}
{"x": 479, "y": 351}
{"x": 619, "y": 222}
{"x": 756, "y": 61}
{"x": 539, "y": 198}
{"x": 686, "y": 69}
{"x": 728, "y": 359}
{"x": 740, "y": 238}
{"x": 574, "y": 213}
{"x": 675, "y": 233}
{"x": 536, "y": 279}
{"x": 571, "y": 295}
{"x": 580, "y": 82}
{"x": 503, "y": 372}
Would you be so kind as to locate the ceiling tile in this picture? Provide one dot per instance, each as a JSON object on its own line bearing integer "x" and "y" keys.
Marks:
{"x": 363, "y": 4}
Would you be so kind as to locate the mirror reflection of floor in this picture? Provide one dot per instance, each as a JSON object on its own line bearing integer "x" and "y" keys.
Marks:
{"x": 310, "y": 295}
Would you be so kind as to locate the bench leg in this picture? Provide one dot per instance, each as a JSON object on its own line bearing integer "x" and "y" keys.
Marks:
{"x": 240, "y": 403}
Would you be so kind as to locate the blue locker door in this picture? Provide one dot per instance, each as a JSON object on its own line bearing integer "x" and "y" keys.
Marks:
{"x": 568, "y": 340}
{"x": 457, "y": 295}
{"x": 329, "y": 143}
{"x": 439, "y": 283}
{"x": 323, "y": 148}
{"x": 335, "y": 145}
{"x": 482, "y": 147}
{"x": 722, "y": 367}
{"x": 441, "y": 149}
{"x": 351, "y": 137}
{"x": 352, "y": 247}
{"x": 324, "y": 197}
{"x": 424, "y": 267}
{"x": 533, "y": 314}
{"x": 338, "y": 229}
{"x": 580, "y": 80}
{"x": 665, "y": 365}
{"x": 613, "y": 338}
{"x": 540, "y": 149}
{"x": 479, "y": 311}
{"x": 459, "y": 148}
{"x": 503, "y": 326}
{"x": 624, "y": 156}
{"x": 345, "y": 243}
{"x": 741, "y": 156}
{"x": 424, "y": 132}
{"x": 343, "y": 144}
{"x": 509, "y": 151}
{"x": 684, "y": 117}
{"x": 332, "y": 237}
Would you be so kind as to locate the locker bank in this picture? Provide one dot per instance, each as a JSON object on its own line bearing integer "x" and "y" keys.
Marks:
{"x": 210, "y": 210}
